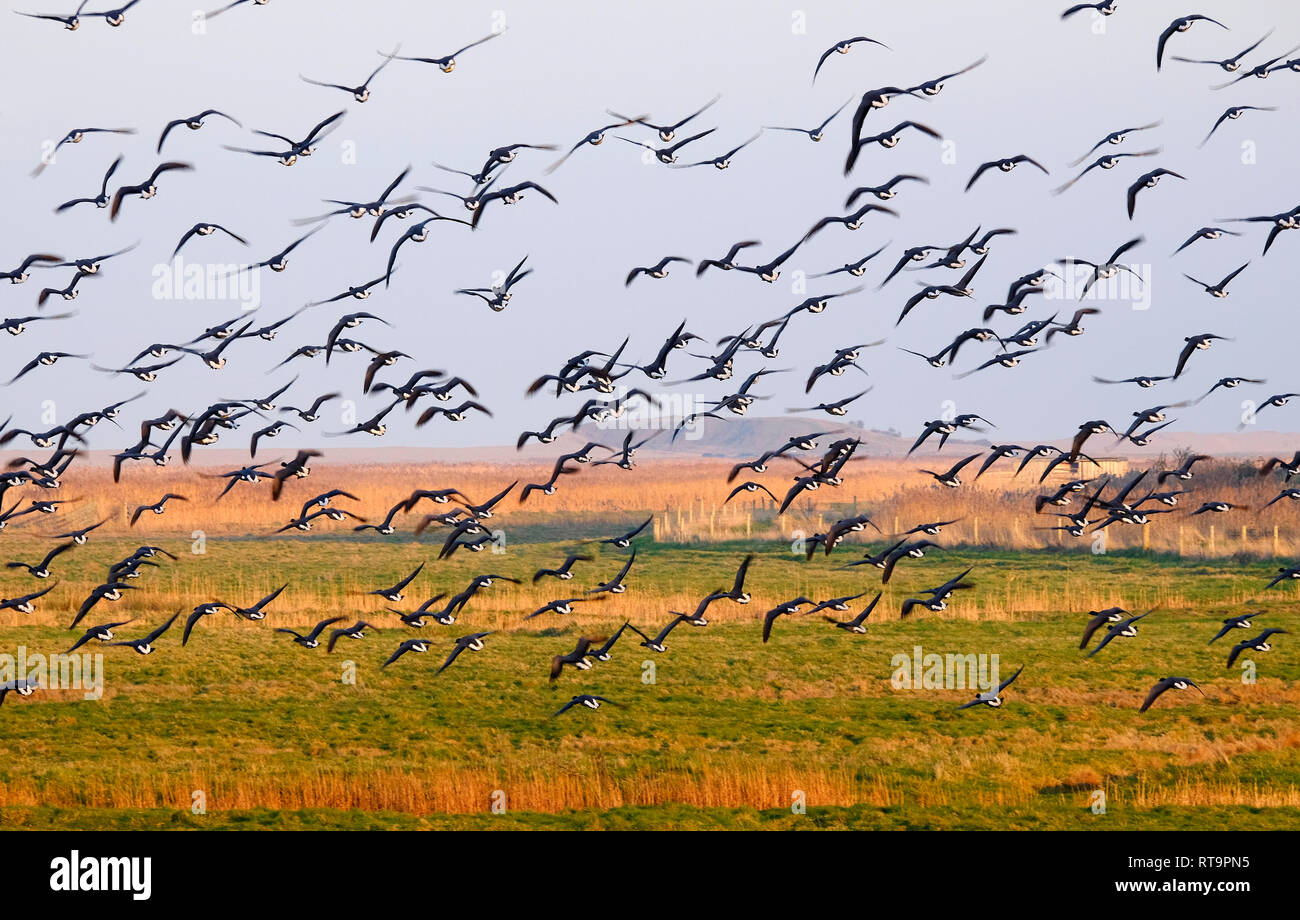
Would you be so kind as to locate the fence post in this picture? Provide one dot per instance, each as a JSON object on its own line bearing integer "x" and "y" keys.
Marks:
{"x": 1274, "y": 541}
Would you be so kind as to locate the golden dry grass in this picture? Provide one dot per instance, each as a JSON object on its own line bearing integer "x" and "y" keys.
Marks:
{"x": 688, "y": 499}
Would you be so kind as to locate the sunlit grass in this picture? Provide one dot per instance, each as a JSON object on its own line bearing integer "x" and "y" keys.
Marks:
{"x": 727, "y": 734}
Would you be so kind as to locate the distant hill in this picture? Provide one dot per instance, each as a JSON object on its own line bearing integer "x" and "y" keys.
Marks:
{"x": 740, "y": 438}
{"x": 748, "y": 437}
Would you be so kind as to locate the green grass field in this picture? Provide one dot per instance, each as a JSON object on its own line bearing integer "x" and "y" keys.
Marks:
{"x": 726, "y": 731}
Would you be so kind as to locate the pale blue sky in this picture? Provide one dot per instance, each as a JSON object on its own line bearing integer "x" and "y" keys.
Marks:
{"x": 1050, "y": 89}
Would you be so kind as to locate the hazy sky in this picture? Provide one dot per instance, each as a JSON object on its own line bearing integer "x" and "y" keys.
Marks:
{"x": 1050, "y": 89}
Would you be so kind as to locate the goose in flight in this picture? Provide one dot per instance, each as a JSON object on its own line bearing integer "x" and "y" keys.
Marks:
{"x": 512, "y": 195}
{"x": 738, "y": 594}
{"x": 356, "y": 631}
{"x": 80, "y": 536}
{"x": 199, "y": 612}
{"x": 24, "y": 687}
{"x": 1005, "y": 165}
{"x": 1147, "y": 180}
{"x": 76, "y": 136}
{"x": 205, "y": 229}
{"x": 839, "y": 407}
{"x": 586, "y": 700}
{"x": 145, "y": 646}
{"x": 871, "y": 100}
{"x": 1126, "y": 629}
{"x": 258, "y": 611}
{"x": 723, "y": 160}
{"x": 193, "y": 122}
{"x": 771, "y": 271}
{"x": 1238, "y": 622}
{"x": 891, "y": 138}
{"x": 1232, "y": 114}
{"x": 146, "y": 189}
{"x": 280, "y": 261}
{"x": 667, "y": 155}
{"x": 157, "y": 507}
{"x": 1107, "y": 161}
{"x": 565, "y": 570}
{"x": 993, "y": 698}
{"x": 360, "y": 93}
{"x": 726, "y": 264}
{"x": 408, "y": 645}
{"x": 312, "y": 412}
{"x": 562, "y": 606}
{"x": 103, "y": 633}
{"x": 1219, "y": 290}
{"x": 44, "y": 359}
{"x": 935, "y": 86}
{"x": 310, "y": 639}
{"x": 951, "y": 477}
{"x": 20, "y": 274}
{"x": 1194, "y": 343}
{"x": 1287, "y": 220}
{"x": 786, "y": 609}
{"x": 1104, "y": 8}
{"x": 42, "y": 568}
{"x": 1181, "y": 24}
{"x": 1205, "y": 233}
{"x": 623, "y": 541}
{"x": 885, "y": 191}
{"x": 447, "y": 63}
{"x": 1260, "y": 71}
{"x": 656, "y": 644}
{"x": 1166, "y": 684}
{"x": 68, "y": 292}
{"x": 668, "y": 132}
{"x": 109, "y": 591}
{"x": 856, "y": 624}
{"x": 1098, "y": 619}
{"x": 814, "y": 134}
{"x": 615, "y": 585}
{"x": 232, "y": 5}
{"x": 1107, "y": 269}
{"x": 307, "y": 146}
{"x": 933, "y": 291}
{"x": 394, "y": 594}
{"x": 70, "y": 21}
{"x": 658, "y": 270}
{"x": 1259, "y": 643}
{"x": 100, "y": 200}
{"x": 578, "y": 658}
{"x": 472, "y": 642}
{"x": 843, "y": 47}
{"x": 851, "y": 221}
{"x": 593, "y": 139}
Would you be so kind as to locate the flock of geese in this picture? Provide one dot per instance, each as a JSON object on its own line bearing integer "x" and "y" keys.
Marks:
{"x": 607, "y": 376}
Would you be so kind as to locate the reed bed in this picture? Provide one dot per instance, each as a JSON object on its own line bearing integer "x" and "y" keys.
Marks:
{"x": 688, "y": 499}
{"x": 253, "y": 722}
